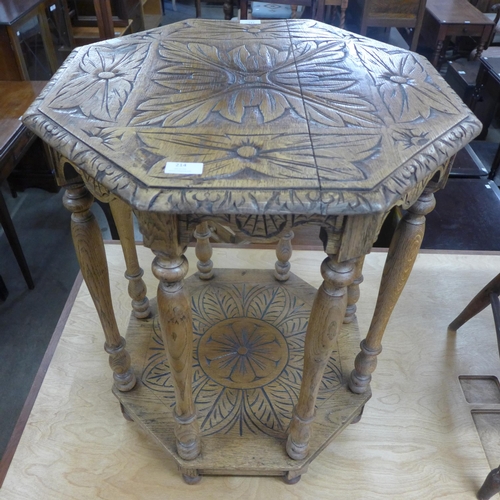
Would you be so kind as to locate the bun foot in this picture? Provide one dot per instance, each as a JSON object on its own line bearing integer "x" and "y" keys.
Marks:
{"x": 293, "y": 480}
{"x": 191, "y": 479}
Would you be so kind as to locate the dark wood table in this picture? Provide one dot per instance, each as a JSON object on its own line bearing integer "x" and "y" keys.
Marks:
{"x": 261, "y": 128}
{"x": 453, "y": 18}
{"x": 485, "y": 99}
{"x": 23, "y": 56}
{"x": 15, "y": 140}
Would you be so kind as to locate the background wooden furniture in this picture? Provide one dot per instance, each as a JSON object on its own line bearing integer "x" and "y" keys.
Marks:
{"x": 274, "y": 156}
{"x": 453, "y": 18}
{"x": 485, "y": 98}
{"x": 94, "y": 20}
{"x": 26, "y": 48}
{"x": 15, "y": 140}
{"x": 407, "y": 15}
{"x": 488, "y": 296}
{"x": 312, "y": 4}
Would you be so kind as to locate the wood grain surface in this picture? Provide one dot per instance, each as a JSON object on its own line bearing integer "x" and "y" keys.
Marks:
{"x": 289, "y": 116}
{"x": 416, "y": 440}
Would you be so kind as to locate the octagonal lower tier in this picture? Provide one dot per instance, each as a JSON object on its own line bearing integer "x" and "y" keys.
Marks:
{"x": 249, "y": 333}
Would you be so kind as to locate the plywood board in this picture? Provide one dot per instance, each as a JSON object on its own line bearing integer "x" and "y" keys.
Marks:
{"x": 416, "y": 440}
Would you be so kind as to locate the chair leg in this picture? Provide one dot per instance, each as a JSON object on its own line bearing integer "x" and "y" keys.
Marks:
{"x": 477, "y": 304}
{"x": 495, "y": 165}
{"x": 4, "y": 293}
{"x": 11, "y": 234}
{"x": 491, "y": 485}
{"x": 243, "y": 9}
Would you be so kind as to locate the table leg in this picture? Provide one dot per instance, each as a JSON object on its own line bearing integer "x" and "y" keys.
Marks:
{"x": 327, "y": 315}
{"x": 403, "y": 251}
{"x": 89, "y": 248}
{"x": 437, "y": 53}
{"x": 203, "y": 251}
{"x": 170, "y": 266}
{"x": 353, "y": 291}
{"x": 283, "y": 254}
{"x": 479, "y": 51}
{"x": 10, "y": 232}
{"x": 122, "y": 215}
{"x": 228, "y": 10}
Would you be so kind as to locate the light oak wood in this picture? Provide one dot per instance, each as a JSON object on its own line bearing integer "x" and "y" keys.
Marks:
{"x": 300, "y": 124}
{"x": 327, "y": 315}
{"x": 89, "y": 248}
{"x": 170, "y": 267}
{"x": 403, "y": 251}
{"x": 283, "y": 254}
{"x": 204, "y": 251}
{"x": 122, "y": 215}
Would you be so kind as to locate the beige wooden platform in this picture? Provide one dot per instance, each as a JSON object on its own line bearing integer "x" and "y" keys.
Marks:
{"x": 416, "y": 440}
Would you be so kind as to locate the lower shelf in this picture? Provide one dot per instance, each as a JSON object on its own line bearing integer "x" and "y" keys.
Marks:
{"x": 249, "y": 333}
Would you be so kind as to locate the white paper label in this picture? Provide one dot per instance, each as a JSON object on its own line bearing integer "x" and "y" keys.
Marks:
{"x": 249, "y": 21}
{"x": 52, "y": 8}
{"x": 466, "y": 22}
{"x": 181, "y": 168}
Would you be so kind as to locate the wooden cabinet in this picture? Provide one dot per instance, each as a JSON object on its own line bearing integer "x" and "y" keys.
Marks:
{"x": 26, "y": 47}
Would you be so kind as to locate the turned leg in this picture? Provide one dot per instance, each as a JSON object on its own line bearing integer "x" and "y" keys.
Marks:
{"x": 161, "y": 234}
{"x": 203, "y": 251}
{"x": 437, "y": 53}
{"x": 491, "y": 485}
{"x": 89, "y": 248}
{"x": 283, "y": 254}
{"x": 228, "y": 10}
{"x": 353, "y": 292}
{"x": 479, "y": 51}
{"x": 325, "y": 321}
{"x": 343, "y": 8}
{"x": 122, "y": 214}
{"x": 403, "y": 251}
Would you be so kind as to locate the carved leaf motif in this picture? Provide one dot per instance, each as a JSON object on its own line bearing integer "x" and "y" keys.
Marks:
{"x": 105, "y": 79}
{"x": 268, "y": 304}
{"x": 216, "y": 304}
{"x": 221, "y": 414}
{"x": 258, "y": 156}
{"x": 220, "y": 83}
{"x": 404, "y": 85}
{"x": 342, "y": 156}
{"x": 332, "y": 93}
{"x": 264, "y": 411}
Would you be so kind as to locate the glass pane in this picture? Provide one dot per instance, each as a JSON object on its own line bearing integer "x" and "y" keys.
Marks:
{"x": 59, "y": 29}
{"x": 35, "y": 57}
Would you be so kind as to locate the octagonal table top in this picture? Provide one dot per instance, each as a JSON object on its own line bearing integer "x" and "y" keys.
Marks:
{"x": 285, "y": 116}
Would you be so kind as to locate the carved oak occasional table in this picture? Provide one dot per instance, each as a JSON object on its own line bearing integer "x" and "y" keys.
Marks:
{"x": 259, "y": 128}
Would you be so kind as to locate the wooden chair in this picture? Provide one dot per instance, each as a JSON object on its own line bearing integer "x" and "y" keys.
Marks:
{"x": 102, "y": 25}
{"x": 320, "y": 9}
{"x": 487, "y": 296}
{"x": 406, "y": 15}
{"x": 491, "y": 10}
{"x": 293, "y": 3}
